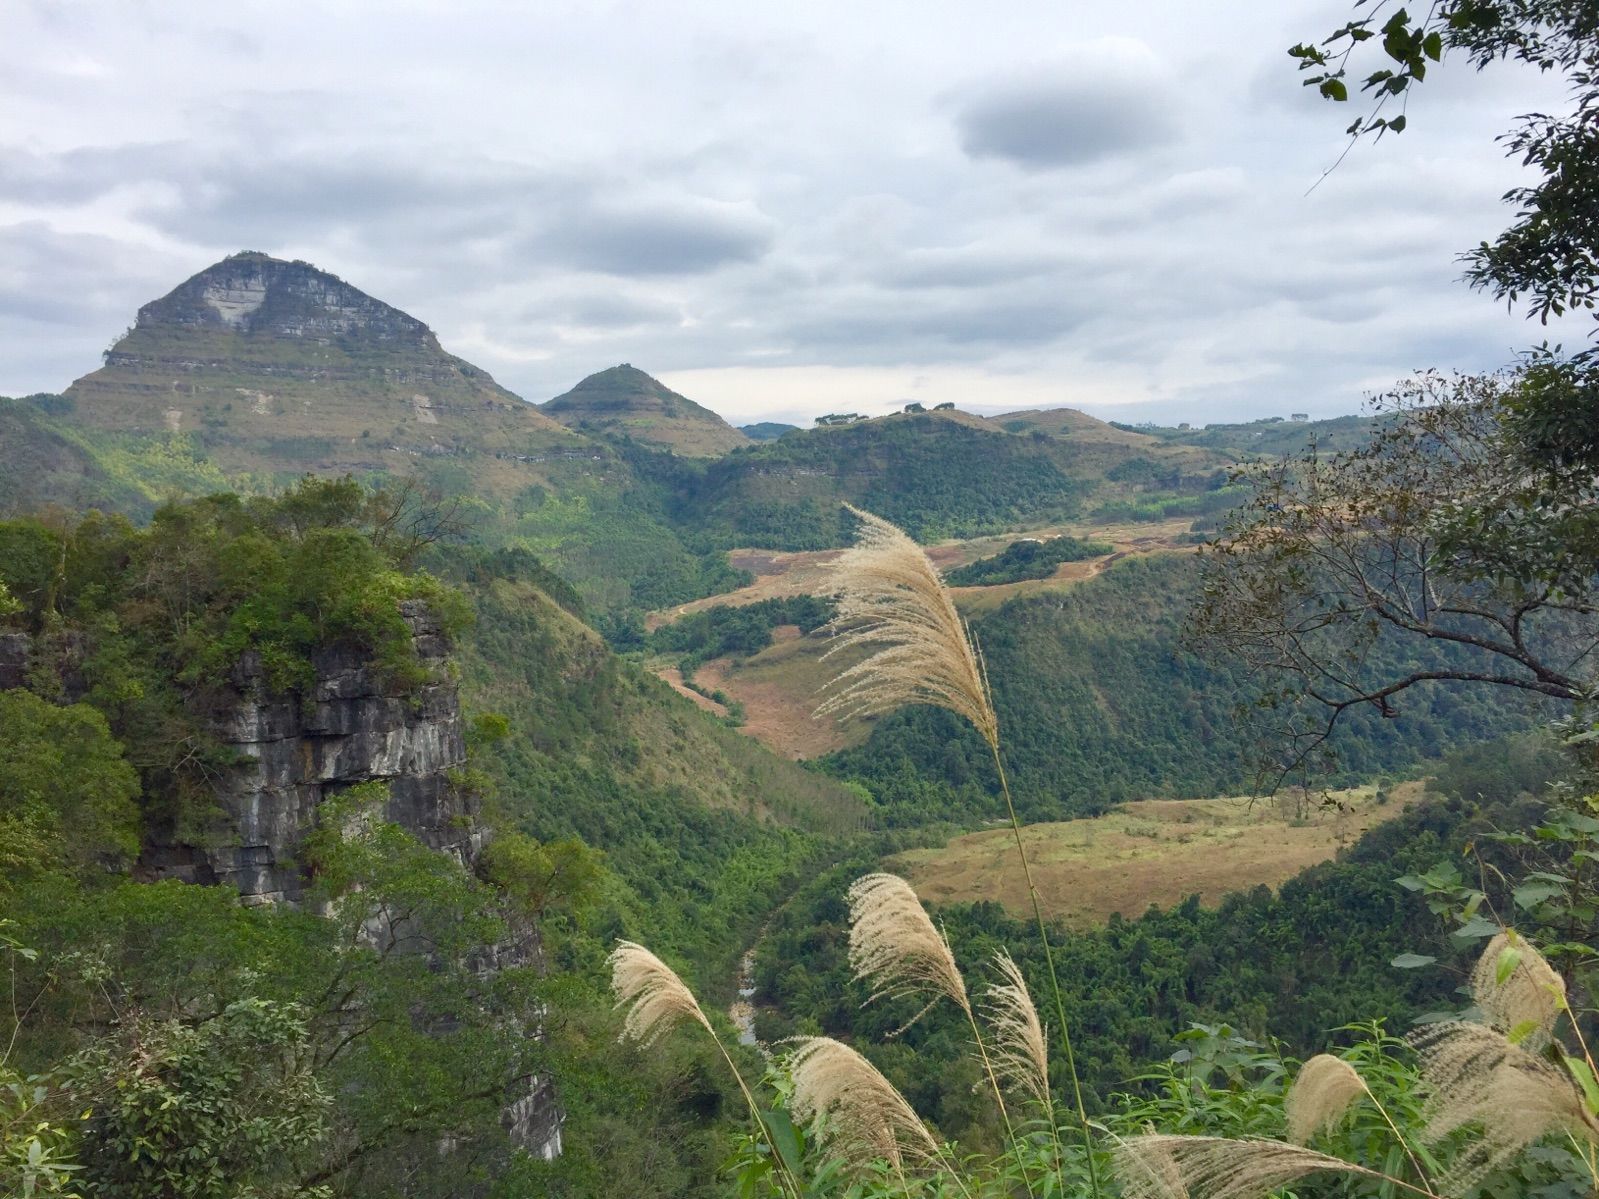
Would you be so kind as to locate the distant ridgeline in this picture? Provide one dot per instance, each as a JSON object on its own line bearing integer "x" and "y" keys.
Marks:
{"x": 257, "y": 370}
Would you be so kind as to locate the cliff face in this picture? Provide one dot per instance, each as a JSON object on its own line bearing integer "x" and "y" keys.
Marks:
{"x": 297, "y": 752}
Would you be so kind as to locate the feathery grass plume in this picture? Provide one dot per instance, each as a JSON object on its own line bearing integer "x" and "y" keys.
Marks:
{"x": 1323, "y": 1091}
{"x": 891, "y": 601}
{"x": 1155, "y": 1166}
{"x": 1519, "y": 992}
{"x": 1021, "y": 1053}
{"x": 852, "y": 1107}
{"x": 1474, "y": 1075}
{"x": 659, "y": 999}
{"x": 894, "y": 945}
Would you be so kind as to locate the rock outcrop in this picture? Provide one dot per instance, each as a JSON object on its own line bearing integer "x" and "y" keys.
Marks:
{"x": 352, "y": 727}
{"x": 297, "y": 751}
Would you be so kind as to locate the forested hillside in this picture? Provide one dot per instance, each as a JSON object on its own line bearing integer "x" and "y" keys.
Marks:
{"x": 1101, "y": 702}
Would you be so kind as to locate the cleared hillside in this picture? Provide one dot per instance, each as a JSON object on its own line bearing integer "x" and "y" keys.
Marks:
{"x": 1150, "y": 853}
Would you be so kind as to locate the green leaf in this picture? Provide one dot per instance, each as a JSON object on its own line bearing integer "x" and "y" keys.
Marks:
{"x": 1412, "y": 961}
{"x": 1397, "y": 124}
{"x": 1530, "y": 895}
{"x": 1334, "y": 89}
{"x": 1509, "y": 959}
{"x": 1475, "y": 929}
{"x": 1433, "y": 46}
{"x": 1581, "y": 1071}
{"x": 1522, "y": 1031}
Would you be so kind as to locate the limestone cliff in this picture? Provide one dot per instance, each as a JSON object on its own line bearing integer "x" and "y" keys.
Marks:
{"x": 296, "y": 751}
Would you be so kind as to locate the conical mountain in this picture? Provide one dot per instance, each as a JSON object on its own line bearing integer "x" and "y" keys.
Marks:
{"x": 626, "y": 401}
{"x": 277, "y": 367}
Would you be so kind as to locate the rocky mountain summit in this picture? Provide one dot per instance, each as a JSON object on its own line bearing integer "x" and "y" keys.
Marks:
{"x": 627, "y": 402}
{"x": 278, "y": 367}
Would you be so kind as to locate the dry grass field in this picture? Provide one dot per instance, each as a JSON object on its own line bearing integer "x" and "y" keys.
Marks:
{"x": 1150, "y": 852}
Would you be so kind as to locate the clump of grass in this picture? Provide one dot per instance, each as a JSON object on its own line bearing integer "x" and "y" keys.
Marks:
{"x": 1474, "y": 1075}
{"x": 1325, "y": 1089}
{"x": 1156, "y": 1166}
{"x": 894, "y": 945}
{"x": 1021, "y": 1048}
{"x": 1518, "y": 990}
{"x": 853, "y": 1109}
{"x": 892, "y": 601}
{"x": 655, "y": 997}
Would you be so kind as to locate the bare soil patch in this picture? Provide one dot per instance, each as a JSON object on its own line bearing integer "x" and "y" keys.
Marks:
{"x": 673, "y": 677}
{"x": 780, "y": 688}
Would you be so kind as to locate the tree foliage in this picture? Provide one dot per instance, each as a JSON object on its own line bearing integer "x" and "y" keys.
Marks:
{"x": 1549, "y": 256}
{"x": 1447, "y": 530}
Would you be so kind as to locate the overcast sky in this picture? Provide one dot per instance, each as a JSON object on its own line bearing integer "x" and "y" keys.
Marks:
{"x": 778, "y": 209}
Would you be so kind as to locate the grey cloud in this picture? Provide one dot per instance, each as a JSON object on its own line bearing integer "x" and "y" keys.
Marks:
{"x": 967, "y": 267}
{"x": 660, "y": 238}
{"x": 885, "y": 330}
{"x": 1042, "y": 124}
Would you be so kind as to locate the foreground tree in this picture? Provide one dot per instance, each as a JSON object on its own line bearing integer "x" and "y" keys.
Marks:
{"x": 1448, "y": 549}
{"x": 1460, "y": 545}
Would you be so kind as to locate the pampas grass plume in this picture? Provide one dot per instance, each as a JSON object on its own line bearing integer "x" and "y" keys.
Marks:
{"x": 656, "y": 998}
{"x": 1021, "y": 1053}
{"x": 1474, "y": 1075}
{"x": 1528, "y": 1001}
{"x": 851, "y": 1106}
{"x": 1155, "y": 1166}
{"x": 1323, "y": 1091}
{"x": 892, "y": 602}
{"x": 894, "y": 946}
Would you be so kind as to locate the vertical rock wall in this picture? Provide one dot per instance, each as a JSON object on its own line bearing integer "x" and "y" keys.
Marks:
{"x": 352, "y": 728}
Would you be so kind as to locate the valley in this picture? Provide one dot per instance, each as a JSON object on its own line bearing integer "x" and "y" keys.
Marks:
{"x": 615, "y": 625}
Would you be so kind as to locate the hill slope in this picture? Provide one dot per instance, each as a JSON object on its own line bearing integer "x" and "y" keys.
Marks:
{"x": 624, "y": 400}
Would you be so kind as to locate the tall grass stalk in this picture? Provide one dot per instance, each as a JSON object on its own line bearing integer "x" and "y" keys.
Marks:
{"x": 657, "y": 1000}
{"x": 892, "y": 601}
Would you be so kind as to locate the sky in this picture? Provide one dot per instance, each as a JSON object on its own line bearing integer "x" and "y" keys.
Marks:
{"x": 779, "y": 210}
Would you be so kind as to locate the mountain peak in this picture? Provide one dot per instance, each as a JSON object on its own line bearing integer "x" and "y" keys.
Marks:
{"x": 280, "y": 367}
{"x": 260, "y": 296}
{"x": 623, "y": 400}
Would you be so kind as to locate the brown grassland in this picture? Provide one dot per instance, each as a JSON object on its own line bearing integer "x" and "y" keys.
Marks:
{"x": 1157, "y": 851}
